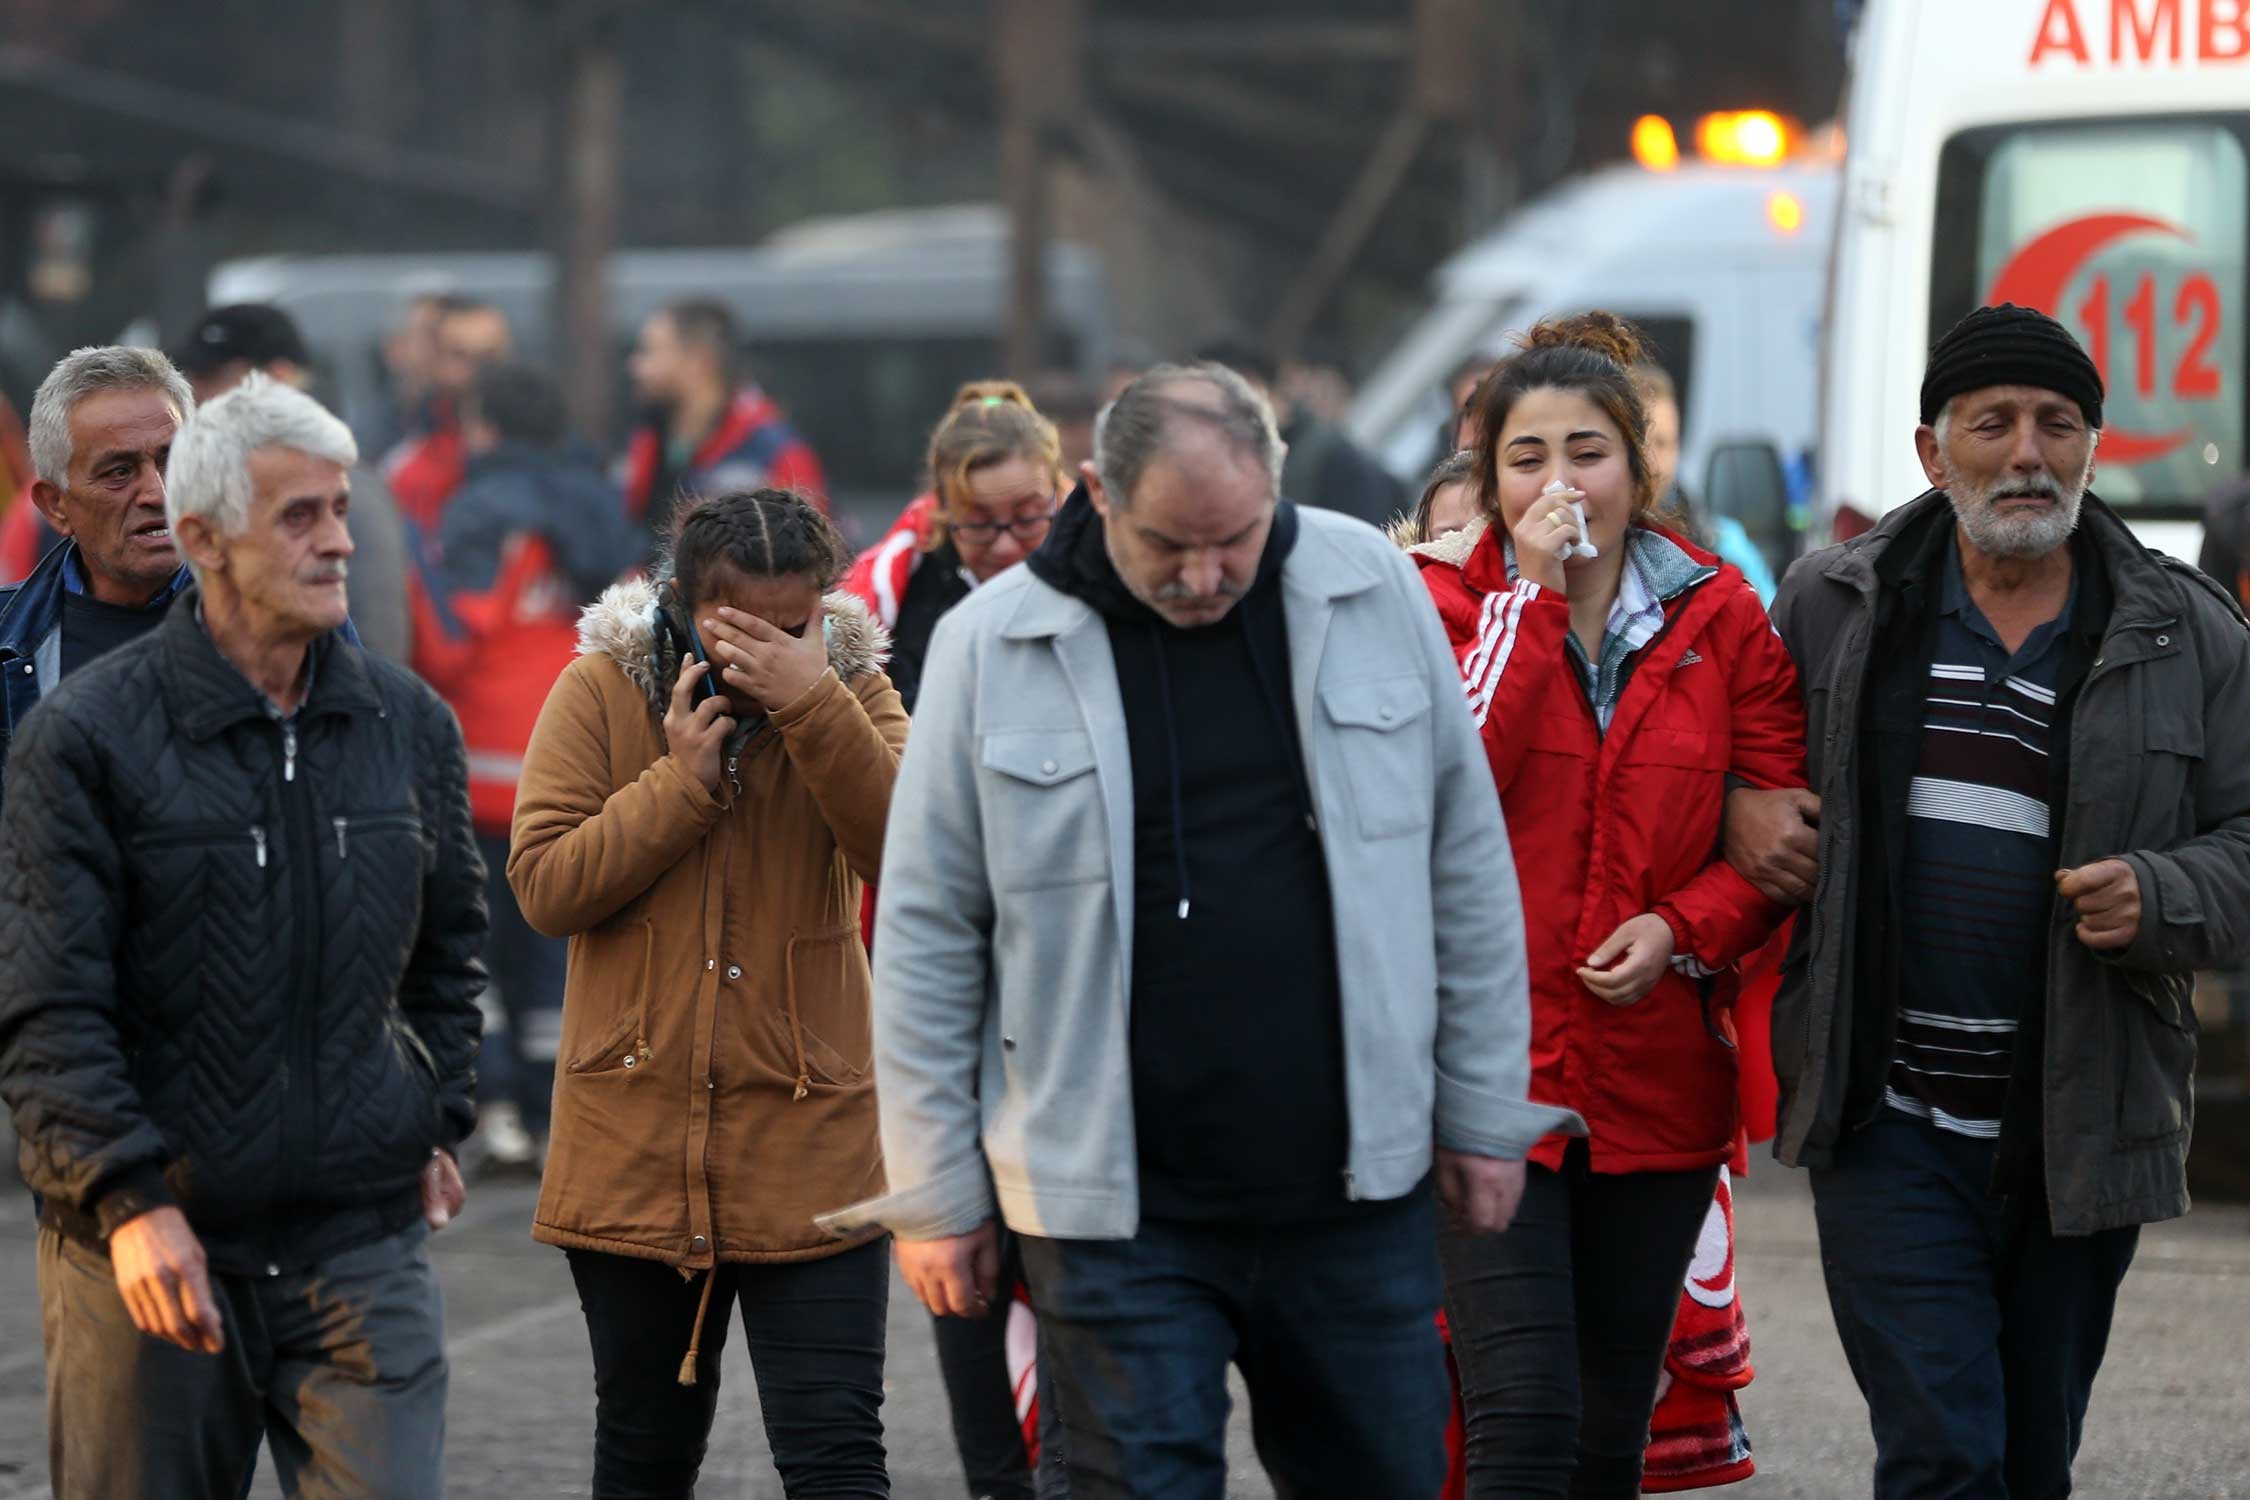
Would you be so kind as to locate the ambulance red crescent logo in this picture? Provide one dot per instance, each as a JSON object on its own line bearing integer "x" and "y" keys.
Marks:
{"x": 2039, "y": 272}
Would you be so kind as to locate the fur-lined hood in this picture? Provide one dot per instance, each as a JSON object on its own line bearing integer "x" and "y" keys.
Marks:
{"x": 621, "y": 625}
{"x": 1453, "y": 548}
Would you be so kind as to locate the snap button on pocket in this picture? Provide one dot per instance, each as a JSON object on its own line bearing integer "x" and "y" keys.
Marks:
{"x": 2164, "y": 640}
{"x": 699, "y": 1244}
{"x": 1386, "y": 713}
{"x": 734, "y": 971}
{"x": 1048, "y": 768}
{"x": 630, "y": 1059}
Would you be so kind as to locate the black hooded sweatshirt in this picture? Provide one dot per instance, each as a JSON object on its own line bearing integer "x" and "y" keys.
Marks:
{"x": 1237, "y": 1028}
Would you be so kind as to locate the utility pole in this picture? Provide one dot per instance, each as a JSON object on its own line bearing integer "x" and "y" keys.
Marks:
{"x": 1441, "y": 89}
{"x": 586, "y": 147}
{"x": 1038, "y": 49}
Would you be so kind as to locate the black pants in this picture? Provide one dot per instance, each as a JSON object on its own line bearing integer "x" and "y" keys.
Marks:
{"x": 528, "y": 967}
{"x": 815, "y": 1331}
{"x": 1560, "y": 1327}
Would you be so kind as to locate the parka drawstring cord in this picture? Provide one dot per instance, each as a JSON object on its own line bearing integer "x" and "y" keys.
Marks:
{"x": 695, "y": 1338}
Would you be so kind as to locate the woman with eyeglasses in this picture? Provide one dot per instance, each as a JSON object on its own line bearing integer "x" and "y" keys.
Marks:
{"x": 996, "y": 475}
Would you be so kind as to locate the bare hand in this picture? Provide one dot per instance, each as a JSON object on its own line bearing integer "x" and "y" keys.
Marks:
{"x": 2107, "y": 897}
{"x": 1627, "y": 965}
{"x": 1544, "y": 537}
{"x": 955, "y": 1277}
{"x": 166, "y": 1284}
{"x": 697, "y": 732}
{"x": 767, "y": 664}
{"x": 443, "y": 1191}
{"x": 1773, "y": 841}
{"x": 1480, "y": 1193}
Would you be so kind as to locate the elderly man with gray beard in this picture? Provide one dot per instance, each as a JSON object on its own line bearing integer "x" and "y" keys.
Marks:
{"x": 2026, "y": 733}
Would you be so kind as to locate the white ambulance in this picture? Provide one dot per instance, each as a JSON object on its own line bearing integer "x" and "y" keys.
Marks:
{"x": 2087, "y": 157}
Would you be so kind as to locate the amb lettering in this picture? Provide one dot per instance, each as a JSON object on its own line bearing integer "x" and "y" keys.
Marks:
{"x": 2141, "y": 31}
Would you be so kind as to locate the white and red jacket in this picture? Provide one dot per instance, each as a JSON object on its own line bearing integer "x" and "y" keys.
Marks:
{"x": 1608, "y": 825}
{"x": 879, "y": 575}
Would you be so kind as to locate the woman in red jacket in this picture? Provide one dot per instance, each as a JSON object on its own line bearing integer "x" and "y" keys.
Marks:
{"x": 1619, "y": 675}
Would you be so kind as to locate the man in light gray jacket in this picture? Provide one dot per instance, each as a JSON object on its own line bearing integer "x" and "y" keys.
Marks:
{"x": 1199, "y": 962}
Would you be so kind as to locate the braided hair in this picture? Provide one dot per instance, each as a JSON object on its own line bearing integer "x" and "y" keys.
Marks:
{"x": 765, "y": 533}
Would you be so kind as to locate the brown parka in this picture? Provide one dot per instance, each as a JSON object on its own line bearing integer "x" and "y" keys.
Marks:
{"x": 713, "y": 1089}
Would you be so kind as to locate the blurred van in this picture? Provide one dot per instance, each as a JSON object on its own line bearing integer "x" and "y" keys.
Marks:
{"x": 860, "y": 326}
{"x": 1722, "y": 264}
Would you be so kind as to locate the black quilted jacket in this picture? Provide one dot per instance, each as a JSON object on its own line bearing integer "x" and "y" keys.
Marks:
{"x": 239, "y": 960}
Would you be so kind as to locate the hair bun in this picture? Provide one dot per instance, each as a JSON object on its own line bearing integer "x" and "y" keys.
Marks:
{"x": 1598, "y": 332}
{"x": 992, "y": 393}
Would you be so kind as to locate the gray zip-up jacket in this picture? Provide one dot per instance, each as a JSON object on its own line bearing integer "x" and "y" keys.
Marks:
{"x": 2159, "y": 775}
{"x": 1003, "y": 932}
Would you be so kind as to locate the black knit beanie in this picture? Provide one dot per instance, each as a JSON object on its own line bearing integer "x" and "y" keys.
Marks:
{"x": 2010, "y": 345}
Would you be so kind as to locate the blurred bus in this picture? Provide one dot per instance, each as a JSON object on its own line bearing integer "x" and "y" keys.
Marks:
{"x": 860, "y": 326}
{"x": 2087, "y": 157}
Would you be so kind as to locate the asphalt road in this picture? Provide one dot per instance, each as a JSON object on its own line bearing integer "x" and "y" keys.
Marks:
{"x": 2169, "y": 1419}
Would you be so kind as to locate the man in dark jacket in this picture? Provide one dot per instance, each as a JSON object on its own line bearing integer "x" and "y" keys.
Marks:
{"x": 240, "y": 916}
{"x": 2033, "y": 827}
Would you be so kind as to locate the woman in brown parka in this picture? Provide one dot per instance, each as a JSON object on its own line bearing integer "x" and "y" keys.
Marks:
{"x": 700, "y": 827}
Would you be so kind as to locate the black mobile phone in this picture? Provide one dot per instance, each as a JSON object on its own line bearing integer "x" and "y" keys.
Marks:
{"x": 671, "y": 620}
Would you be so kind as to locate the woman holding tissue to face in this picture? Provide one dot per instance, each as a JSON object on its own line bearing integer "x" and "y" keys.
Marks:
{"x": 1619, "y": 675}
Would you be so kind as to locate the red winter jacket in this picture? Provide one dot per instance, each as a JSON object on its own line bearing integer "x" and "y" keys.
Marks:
{"x": 1605, "y": 828}
{"x": 752, "y": 447}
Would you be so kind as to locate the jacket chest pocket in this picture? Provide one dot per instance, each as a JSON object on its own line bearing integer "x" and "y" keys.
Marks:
{"x": 1380, "y": 728}
{"x": 1044, "y": 821}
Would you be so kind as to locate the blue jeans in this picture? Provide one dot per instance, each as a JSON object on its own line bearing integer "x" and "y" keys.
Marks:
{"x": 1974, "y": 1332}
{"x": 1333, "y": 1325}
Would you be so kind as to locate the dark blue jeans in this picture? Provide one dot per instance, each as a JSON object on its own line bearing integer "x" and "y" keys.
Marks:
{"x": 1333, "y": 1325}
{"x": 1973, "y": 1331}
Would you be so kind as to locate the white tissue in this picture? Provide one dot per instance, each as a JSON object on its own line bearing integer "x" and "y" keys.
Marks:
{"x": 1583, "y": 547}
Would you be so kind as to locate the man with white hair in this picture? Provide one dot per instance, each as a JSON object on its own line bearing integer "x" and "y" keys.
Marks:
{"x": 2026, "y": 734}
{"x": 102, "y": 426}
{"x": 241, "y": 913}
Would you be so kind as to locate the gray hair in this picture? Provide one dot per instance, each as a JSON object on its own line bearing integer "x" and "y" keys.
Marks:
{"x": 209, "y": 475}
{"x": 1132, "y": 431}
{"x": 89, "y": 372}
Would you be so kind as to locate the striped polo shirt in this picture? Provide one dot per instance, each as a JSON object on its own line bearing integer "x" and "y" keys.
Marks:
{"x": 1977, "y": 888}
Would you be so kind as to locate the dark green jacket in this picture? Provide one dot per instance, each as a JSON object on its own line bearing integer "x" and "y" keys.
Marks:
{"x": 2159, "y": 774}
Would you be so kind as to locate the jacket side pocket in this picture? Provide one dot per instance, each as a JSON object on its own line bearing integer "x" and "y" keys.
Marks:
{"x": 623, "y": 1043}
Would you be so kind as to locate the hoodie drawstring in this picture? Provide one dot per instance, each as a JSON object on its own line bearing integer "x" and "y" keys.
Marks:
{"x": 695, "y": 1337}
